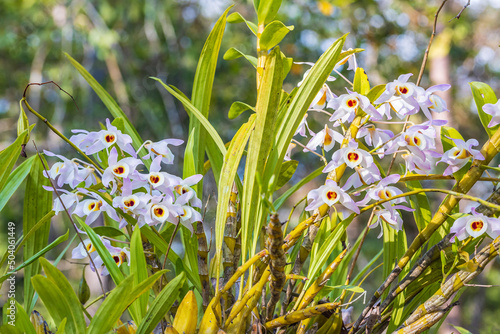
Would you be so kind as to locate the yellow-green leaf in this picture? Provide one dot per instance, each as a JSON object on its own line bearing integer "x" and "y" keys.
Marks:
{"x": 483, "y": 94}
{"x": 273, "y": 33}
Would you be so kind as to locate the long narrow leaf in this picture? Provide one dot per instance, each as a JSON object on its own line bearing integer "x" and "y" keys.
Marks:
{"x": 37, "y": 203}
{"x": 14, "y": 180}
{"x": 161, "y": 305}
{"x": 138, "y": 268}
{"x": 268, "y": 99}
{"x": 117, "y": 302}
{"x": 108, "y": 101}
{"x": 228, "y": 174}
{"x": 36, "y": 256}
{"x": 23, "y": 320}
{"x": 103, "y": 252}
{"x": 75, "y": 318}
{"x": 55, "y": 302}
{"x": 8, "y": 157}
{"x": 202, "y": 93}
{"x": 298, "y": 105}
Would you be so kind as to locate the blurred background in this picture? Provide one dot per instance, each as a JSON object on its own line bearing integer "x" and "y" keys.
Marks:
{"x": 122, "y": 44}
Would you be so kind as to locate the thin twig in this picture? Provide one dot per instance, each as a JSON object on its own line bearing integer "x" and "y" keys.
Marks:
{"x": 50, "y": 82}
{"x": 71, "y": 220}
{"x": 307, "y": 148}
{"x": 426, "y": 54}
{"x": 168, "y": 249}
{"x": 461, "y": 11}
{"x": 421, "y": 73}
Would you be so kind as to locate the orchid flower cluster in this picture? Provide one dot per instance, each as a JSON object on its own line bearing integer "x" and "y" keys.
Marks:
{"x": 359, "y": 155}
{"x": 152, "y": 197}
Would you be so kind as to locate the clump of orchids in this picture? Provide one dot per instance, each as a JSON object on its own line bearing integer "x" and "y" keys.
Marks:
{"x": 363, "y": 154}
{"x": 152, "y": 196}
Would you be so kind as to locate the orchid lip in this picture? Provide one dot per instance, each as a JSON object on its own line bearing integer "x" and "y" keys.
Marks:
{"x": 109, "y": 138}
{"x": 156, "y": 179}
{"x": 186, "y": 213}
{"x": 120, "y": 170}
{"x": 91, "y": 205}
{"x": 330, "y": 196}
{"x": 130, "y": 202}
{"x": 353, "y": 158}
{"x": 476, "y": 226}
{"x": 160, "y": 212}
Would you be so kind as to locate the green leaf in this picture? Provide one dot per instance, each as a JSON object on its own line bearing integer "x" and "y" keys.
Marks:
{"x": 110, "y": 103}
{"x": 447, "y": 133}
{"x": 117, "y": 302}
{"x": 157, "y": 240}
{"x": 22, "y": 123}
{"x": 73, "y": 314}
{"x": 399, "y": 302}
{"x": 375, "y": 92}
{"x": 325, "y": 249}
{"x": 61, "y": 329}
{"x": 461, "y": 330}
{"x": 352, "y": 288}
{"x": 237, "y": 108}
{"x": 280, "y": 200}
{"x": 483, "y": 94}
{"x": 14, "y": 180}
{"x": 138, "y": 268}
{"x": 363, "y": 271}
{"x": 190, "y": 244}
{"x": 9, "y": 329}
{"x": 238, "y": 18}
{"x": 109, "y": 231}
{"x": 161, "y": 305}
{"x": 8, "y": 157}
{"x": 288, "y": 168}
{"x": 273, "y": 33}
{"x": 202, "y": 93}
{"x": 234, "y": 53}
{"x": 103, "y": 252}
{"x": 83, "y": 289}
{"x": 33, "y": 258}
{"x": 267, "y": 10}
{"x": 228, "y": 174}
{"x": 420, "y": 203}
{"x": 259, "y": 147}
{"x": 219, "y": 150}
{"x": 23, "y": 322}
{"x": 297, "y": 105}
{"x": 361, "y": 83}
{"x": 37, "y": 203}
{"x": 55, "y": 302}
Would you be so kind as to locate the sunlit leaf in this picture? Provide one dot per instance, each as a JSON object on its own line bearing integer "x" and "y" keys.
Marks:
{"x": 161, "y": 305}
{"x": 233, "y": 53}
{"x": 273, "y": 34}
{"x": 483, "y": 94}
{"x": 37, "y": 203}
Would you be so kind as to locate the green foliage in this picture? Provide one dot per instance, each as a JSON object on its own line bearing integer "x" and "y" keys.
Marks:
{"x": 237, "y": 108}
{"x": 202, "y": 92}
{"x": 161, "y": 305}
{"x": 59, "y": 298}
{"x": 273, "y": 34}
{"x": 14, "y": 180}
{"x": 482, "y": 94}
{"x": 37, "y": 204}
{"x": 109, "y": 102}
{"x": 234, "y": 53}
{"x": 139, "y": 269}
